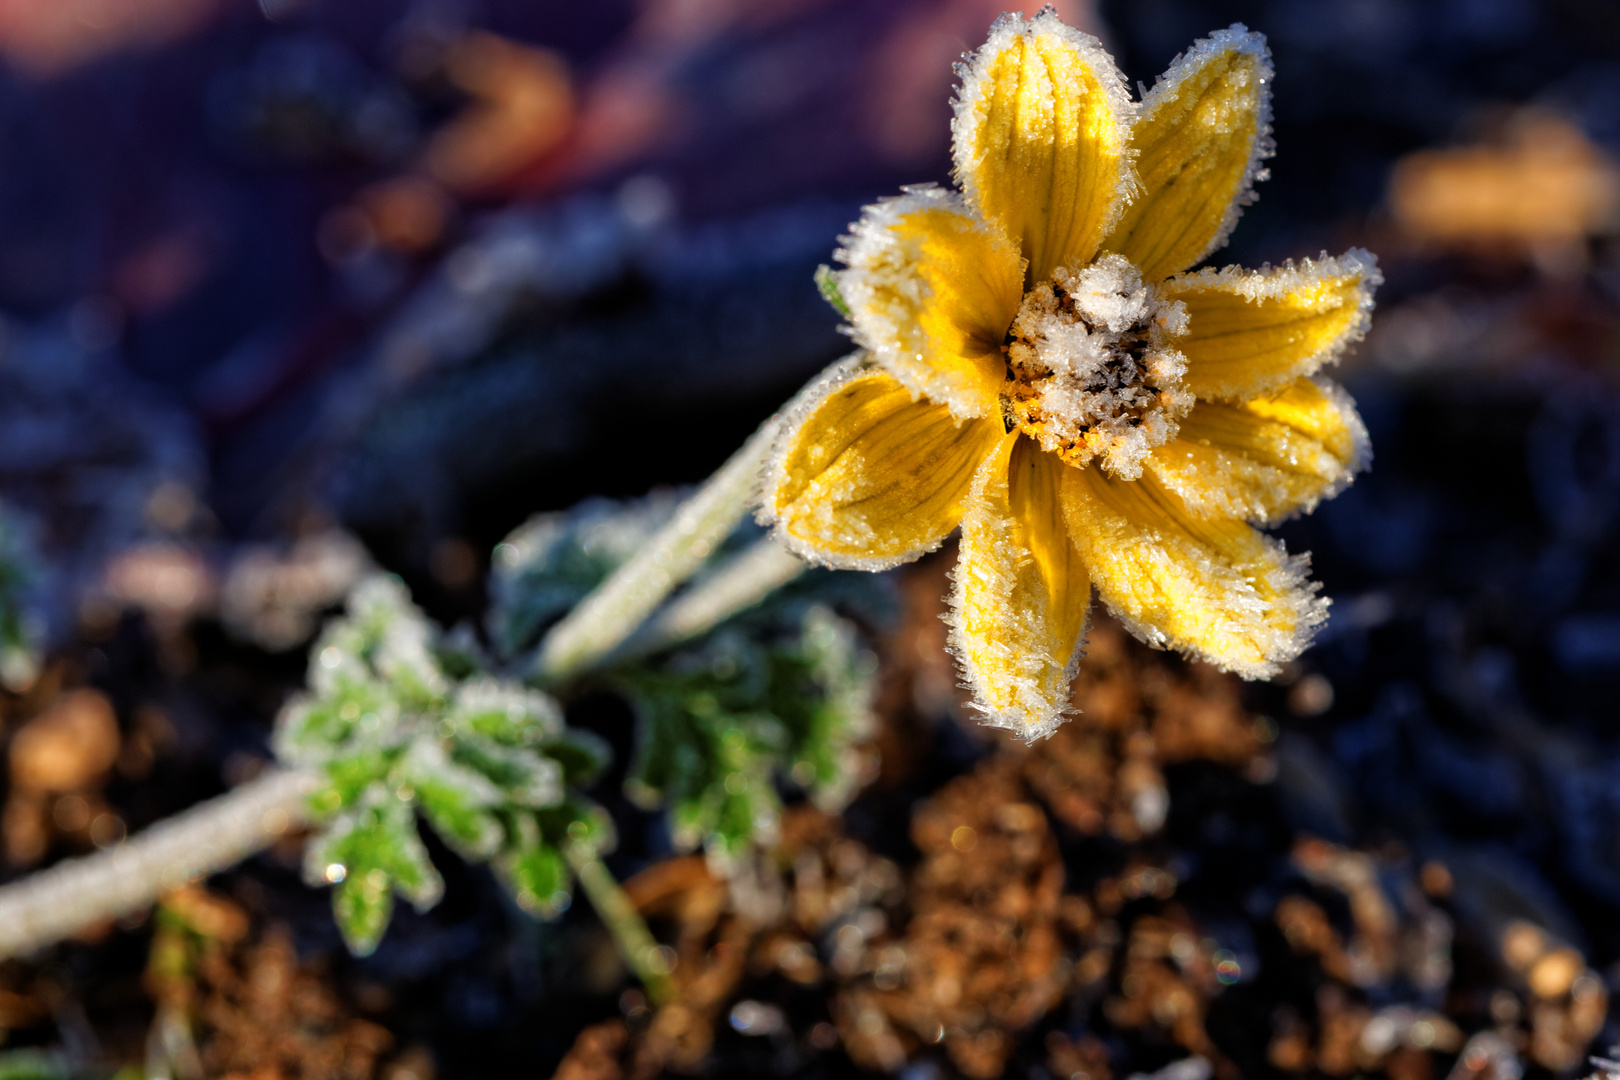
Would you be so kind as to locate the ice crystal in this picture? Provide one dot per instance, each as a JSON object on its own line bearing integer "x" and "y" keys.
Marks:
{"x": 1095, "y": 371}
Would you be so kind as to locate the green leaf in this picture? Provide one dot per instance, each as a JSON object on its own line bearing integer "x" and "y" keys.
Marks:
{"x": 577, "y": 821}
{"x": 506, "y": 712}
{"x": 363, "y": 905}
{"x": 786, "y": 697}
{"x": 552, "y": 561}
{"x": 582, "y": 756}
{"x": 523, "y": 776}
{"x": 459, "y": 654}
{"x": 827, "y": 285}
{"x": 370, "y": 852}
{"x": 348, "y": 777}
{"x": 537, "y": 876}
{"x": 458, "y": 801}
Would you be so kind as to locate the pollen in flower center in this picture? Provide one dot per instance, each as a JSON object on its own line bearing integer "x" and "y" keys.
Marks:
{"x": 1091, "y": 369}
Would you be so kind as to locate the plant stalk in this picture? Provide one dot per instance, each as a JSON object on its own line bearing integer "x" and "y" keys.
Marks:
{"x": 77, "y": 894}
{"x": 735, "y": 587}
{"x": 624, "y": 922}
{"x": 613, "y": 611}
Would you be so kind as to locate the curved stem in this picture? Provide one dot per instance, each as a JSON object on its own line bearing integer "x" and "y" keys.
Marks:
{"x": 613, "y": 611}
{"x": 75, "y": 895}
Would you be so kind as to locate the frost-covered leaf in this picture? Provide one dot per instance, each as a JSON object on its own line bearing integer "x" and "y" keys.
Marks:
{"x": 504, "y": 711}
{"x": 537, "y": 876}
{"x": 350, "y": 776}
{"x": 363, "y": 908}
{"x": 382, "y": 637}
{"x": 709, "y": 761}
{"x": 533, "y": 865}
{"x": 459, "y": 802}
{"x": 370, "y": 852}
{"x": 461, "y": 655}
{"x": 577, "y": 821}
{"x": 400, "y": 719}
{"x": 827, "y": 724}
{"x": 785, "y": 697}
{"x": 312, "y": 726}
{"x": 522, "y": 776}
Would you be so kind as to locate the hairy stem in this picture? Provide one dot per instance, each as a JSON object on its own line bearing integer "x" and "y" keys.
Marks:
{"x": 624, "y": 922}
{"x": 79, "y": 893}
{"x": 735, "y": 587}
{"x": 613, "y": 611}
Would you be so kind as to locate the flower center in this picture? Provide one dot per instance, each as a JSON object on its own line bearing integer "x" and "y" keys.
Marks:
{"x": 1090, "y": 368}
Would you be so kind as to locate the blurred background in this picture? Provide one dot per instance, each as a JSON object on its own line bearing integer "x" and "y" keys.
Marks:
{"x": 289, "y": 288}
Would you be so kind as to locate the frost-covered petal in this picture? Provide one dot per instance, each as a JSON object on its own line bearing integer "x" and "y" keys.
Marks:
{"x": 864, "y": 476}
{"x": 1268, "y": 458}
{"x": 1249, "y": 332}
{"x": 1204, "y": 130}
{"x": 931, "y": 289}
{"x": 1213, "y": 587}
{"x": 1019, "y": 592}
{"x": 1041, "y": 139}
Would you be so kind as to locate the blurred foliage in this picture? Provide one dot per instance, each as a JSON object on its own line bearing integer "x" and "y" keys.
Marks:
{"x": 486, "y": 761}
{"x": 723, "y": 721}
{"x": 40, "y": 1065}
{"x": 19, "y": 626}
{"x": 404, "y": 721}
{"x": 778, "y": 696}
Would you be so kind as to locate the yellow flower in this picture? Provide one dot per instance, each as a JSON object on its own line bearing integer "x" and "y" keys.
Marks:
{"x": 1040, "y": 368}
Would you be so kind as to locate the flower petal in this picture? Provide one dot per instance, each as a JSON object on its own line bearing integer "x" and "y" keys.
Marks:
{"x": 1213, "y": 587}
{"x": 1020, "y": 592}
{"x": 1249, "y": 331}
{"x": 1268, "y": 458}
{"x": 931, "y": 290}
{"x": 1041, "y": 139}
{"x": 1204, "y": 130}
{"x": 864, "y": 476}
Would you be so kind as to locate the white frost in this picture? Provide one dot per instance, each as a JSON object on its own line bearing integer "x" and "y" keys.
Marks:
{"x": 1095, "y": 345}
{"x": 1276, "y": 282}
{"x": 794, "y": 415}
{"x": 970, "y": 101}
{"x": 879, "y": 265}
{"x": 1168, "y": 87}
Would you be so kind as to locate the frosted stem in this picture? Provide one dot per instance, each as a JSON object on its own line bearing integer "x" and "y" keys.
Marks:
{"x": 79, "y": 893}
{"x": 624, "y": 922}
{"x": 613, "y": 611}
{"x": 737, "y": 586}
